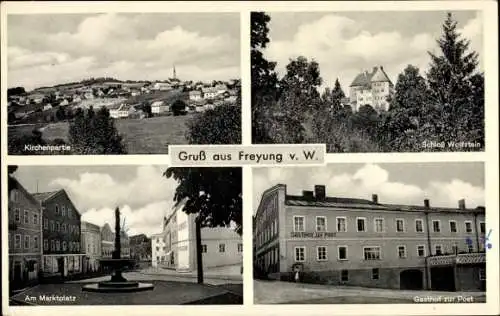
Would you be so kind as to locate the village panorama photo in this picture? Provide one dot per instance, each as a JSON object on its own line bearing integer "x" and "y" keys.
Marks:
{"x": 122, "y": 83}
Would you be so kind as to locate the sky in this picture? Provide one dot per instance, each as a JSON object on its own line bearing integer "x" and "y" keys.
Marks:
{"x": 347, "y": 43}
{"x": 48, "y": 49}
{"x": 142, "y": 193}
{"x": 396, "y": 183}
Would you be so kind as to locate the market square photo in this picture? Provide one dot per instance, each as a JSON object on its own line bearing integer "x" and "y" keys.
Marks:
{"x": 370, "y": 233}
{"x": 121, "y": 83}
{"x": 124, "y": 235}
{"x": 369, "y": 81}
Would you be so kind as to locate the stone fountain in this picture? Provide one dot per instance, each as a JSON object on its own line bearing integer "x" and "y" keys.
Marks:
{"x": 117, "y": 283}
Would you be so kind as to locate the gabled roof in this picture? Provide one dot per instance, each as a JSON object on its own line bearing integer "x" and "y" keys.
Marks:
{"x": 362, "y": 79}
{"x": 365, "y": 78}
{"x": 380, "y": 75}
{"x": 14, "y": 184}
{"x": 295, "y": 200}
{"x": 44, "y": 196}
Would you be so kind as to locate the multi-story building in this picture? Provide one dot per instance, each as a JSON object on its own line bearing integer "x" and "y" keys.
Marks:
{"x": 221, "y": 246}
{"x": 366, "y": 243}
{"x": 25, "y": 235}
{"x": 140, "y": 247}
{"x": 91, "y": 245}
{"x": 62, "y": 252}
{"x": 108, "y": 243}
{"x": 371, "y": 88}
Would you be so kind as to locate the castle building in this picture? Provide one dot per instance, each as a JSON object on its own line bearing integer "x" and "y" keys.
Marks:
{"x": 371, "y": 88}
{"x": 350, "y": 241}
{"x": 175, "y": 247}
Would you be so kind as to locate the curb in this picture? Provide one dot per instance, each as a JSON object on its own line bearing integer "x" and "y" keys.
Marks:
{"x": 190, "y": 276}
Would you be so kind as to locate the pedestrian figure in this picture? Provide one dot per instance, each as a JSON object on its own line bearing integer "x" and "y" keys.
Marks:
{"x": 296, "y": 276}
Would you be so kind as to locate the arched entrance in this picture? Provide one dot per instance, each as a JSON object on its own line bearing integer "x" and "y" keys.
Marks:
{"x": 411, "y": 280}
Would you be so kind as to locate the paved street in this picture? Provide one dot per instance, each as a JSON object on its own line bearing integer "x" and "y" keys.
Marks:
{"x": 169, "y": 290}
{"x": 277, "y": 292}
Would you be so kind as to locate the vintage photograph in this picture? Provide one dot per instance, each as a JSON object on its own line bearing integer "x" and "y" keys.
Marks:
{"x": 372, "y": 81}
{"x": 113, "y": 83}
{"x": 124, "y": 235}
{"x": 389, "y": 233}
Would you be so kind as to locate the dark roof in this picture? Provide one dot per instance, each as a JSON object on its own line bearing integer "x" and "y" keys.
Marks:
{"x": 365, "y": 78}
{"x": 14, "y": 184}
{"x": 331, "y": 202}
{"x": 44, "y": 196}
{"x": 362, "y": 79}
{"x": 421, "y": 208}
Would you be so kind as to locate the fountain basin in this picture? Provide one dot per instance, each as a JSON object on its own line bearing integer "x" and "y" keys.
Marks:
{"x": 117, "y": 287}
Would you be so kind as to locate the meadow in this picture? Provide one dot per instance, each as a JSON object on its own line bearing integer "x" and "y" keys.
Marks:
{"x": 140, "y": 136}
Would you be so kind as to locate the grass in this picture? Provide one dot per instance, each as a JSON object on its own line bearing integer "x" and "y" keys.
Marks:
{"x": 141, "y": 136}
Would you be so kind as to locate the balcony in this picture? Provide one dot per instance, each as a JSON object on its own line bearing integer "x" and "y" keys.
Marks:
{"x": 460, "y": 259}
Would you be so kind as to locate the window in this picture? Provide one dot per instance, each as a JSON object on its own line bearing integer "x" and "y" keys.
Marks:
{"x": 454, "y": 249}
{"x": 400, "y": 225}
{"x": 26, "y": 217}
{"x": 453, "y": 226}
{"x": 482, "y": 274}
{"x": 52, "y": 245}
{"x": 298, "y": 224}
{"x": 63, "y": 210}
{"x": 379, "y": 225}
{"x": 375, "y": 274}
{"x": 468, "y": 227}
{"x": 45, "y": 244}
{"x": 419, "y": 226}
{"x": 17, "y": 241}
{"x": 35, "y": 219}
{"x": 341, "y": 224}
{"x": 438, "y": 250}
{"x": 320, "y": 223}
{"x": 360, "y": 223}
{"x": 64, "y": 246}
{"x": 436, "y": 226}
{"x": 402, "y": 252}
{"x": 344, "y": 275}
{"x": 203, "y": 248}
{"x": 15, "y": 196}
{"x": 57, "y": 226}
{"x": 45, "y": 223}
{"x": 482, "y": 227}
{"x": 371, "y": 253}
{"x": 470, "y": 247}
{"x": 58, "y": 245}
{"x": 240, "y": 247}
{"x": 342, "y": 252}
{"x": 421, "y": 250}
{"x": 57, "y": 209}
{"x": 17, "y": 215}
{"x": 300, "y": 254}
{"x": 321, "y": 253}
{"x": 52, "y": 226}
{"x": 69, "y": 212}
{"x": 63, "y": 228}
{"x": 26, "y": 242}
{"x": 222, "y": 247}
{"x": 35, "y": 242}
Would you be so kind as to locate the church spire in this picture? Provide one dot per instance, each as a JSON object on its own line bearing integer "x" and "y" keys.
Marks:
{"x": 174, "y": 73}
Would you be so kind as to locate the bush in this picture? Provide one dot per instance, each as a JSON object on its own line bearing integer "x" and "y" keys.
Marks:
{"x": 179, "y": 108}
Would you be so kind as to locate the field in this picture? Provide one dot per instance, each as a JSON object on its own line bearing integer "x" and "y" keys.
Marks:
{"x": 141, "y": 136}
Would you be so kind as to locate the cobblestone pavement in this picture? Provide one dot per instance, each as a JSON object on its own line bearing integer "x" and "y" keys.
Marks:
{"x": 278, "y": 292}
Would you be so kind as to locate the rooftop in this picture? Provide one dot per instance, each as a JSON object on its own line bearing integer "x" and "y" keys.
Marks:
{"x": 365, "y": 78}
{"x": 44, "y": 196}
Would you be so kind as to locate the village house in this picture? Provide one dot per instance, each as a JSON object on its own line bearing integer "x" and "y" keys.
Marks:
{"x": 62, "y": 252}
{"x": 47, "y": 107}
{"x": 91, "y": 245}
{"x": 25, "y": 235}
{"x": 121, "y": 110}
{"x": 158, "y": 107}
{"x": 195, "y": 95}
{"x": 209, "y": 93}
{"x": 220, "y": 88}
{"x": 162, "y": 86}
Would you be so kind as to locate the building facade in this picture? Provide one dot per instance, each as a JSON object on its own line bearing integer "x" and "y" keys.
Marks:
{"x": 371, "y": 88}
{"x": 25, "y": 235}
{"x": 62, "y": 252}
{"x": 175, "y": 247}
{"x": 140, "y": 247}
{"x": 366, "y": 243}
{"x": 91, "y": 245}
{"x": 108, "y": 243}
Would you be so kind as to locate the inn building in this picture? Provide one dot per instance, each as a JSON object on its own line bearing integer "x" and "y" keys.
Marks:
{"x": 62, "y": 252}
{"x": 175, "y": 247}
{"x": 363, "y": 242}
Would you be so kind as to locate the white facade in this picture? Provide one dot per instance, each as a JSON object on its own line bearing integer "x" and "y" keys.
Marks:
{"x": 157, "y": 249}
{"x": 121, "y": 112}
{"x": 371, "y": 88}
{"x": 162, "y": 86}
{"x": 91, "y": 244}
{"x": 195, "y": 95}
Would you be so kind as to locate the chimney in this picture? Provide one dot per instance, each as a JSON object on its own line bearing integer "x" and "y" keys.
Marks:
{"x": 319, "y": 192}
{"x": 375, "y": 198}
{"x": 309, "y": 195}
{"x": 461, "y": 204}
{"x": 374, "y": 69}
{"x": 427, "y": 203}
{"x": 381, "y": 68}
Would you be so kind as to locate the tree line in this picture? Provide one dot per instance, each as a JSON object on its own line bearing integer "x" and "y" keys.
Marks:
{"x": 446, "y": 104}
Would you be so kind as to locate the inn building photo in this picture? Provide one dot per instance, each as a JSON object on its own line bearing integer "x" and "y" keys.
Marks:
{"x": 341, "y": 241}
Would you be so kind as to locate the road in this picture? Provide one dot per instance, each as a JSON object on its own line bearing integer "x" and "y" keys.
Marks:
{"x": 278, "y": 292}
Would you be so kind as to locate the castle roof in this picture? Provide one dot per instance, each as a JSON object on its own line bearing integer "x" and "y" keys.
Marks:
{"x": 366, "y": 78}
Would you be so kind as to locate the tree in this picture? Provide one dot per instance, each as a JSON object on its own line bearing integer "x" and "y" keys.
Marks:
{"x": 95, "y": 133}
{"x": 16, "y": 91}
{"x": 453, "y": 86}
{"x": 11, "y": 169}
{"x": 179, "y": 108}
{"x": 147, "y": 110}
{"x": 263, "y": 79}
{"x": 221, "y": 125}
{"x": 60, "y": 113}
